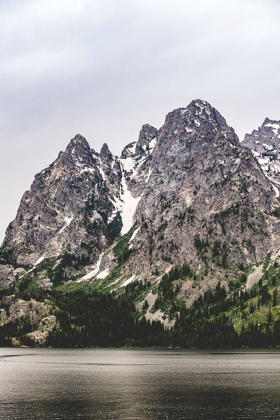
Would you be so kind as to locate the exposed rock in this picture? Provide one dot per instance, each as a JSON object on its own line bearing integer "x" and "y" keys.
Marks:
{"x": 32, "y": 310}
{"x": 3, "y": 315}
{"x": 206, "y": 198}
{"x": 254, "y": 277}
{"x": 45, "y": 284}
{"x": 6, "y": 275}
{"x": 46, "y": 325}
{"x": 265, "y": 144}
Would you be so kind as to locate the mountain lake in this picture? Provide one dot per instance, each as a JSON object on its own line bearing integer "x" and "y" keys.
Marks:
{"x": 145, "y": 384}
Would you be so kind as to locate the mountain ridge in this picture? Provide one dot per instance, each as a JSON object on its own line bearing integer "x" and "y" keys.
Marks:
{"x": 116, "y": 186}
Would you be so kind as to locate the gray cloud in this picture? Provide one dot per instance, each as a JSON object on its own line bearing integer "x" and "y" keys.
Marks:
{"x": 103, "y": 68}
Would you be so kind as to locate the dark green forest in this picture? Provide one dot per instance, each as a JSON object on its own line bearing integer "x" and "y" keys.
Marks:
{"x": 220, "y": 318}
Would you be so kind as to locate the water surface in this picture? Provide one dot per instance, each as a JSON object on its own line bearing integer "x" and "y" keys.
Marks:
{"x": 138, "y": 384}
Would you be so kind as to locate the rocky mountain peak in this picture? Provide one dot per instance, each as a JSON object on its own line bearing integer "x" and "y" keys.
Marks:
{"x": 198, "y": 123}
{"x": 128, "y": 150}
{"x": 147, "y": 138}
{"x": 266, "y": 137}
{"x": 199, "y": 120}
{"x": 78, "y": 142}
{"x": 197, "y": 115}
{"x": 145, "y": 144}
{"x": 105, "y": 152}
{"x": 77, "y": 152}
{"x": 271, "y": 123}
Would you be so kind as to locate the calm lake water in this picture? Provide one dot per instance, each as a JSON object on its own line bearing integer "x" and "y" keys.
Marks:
{"x": 138, "y": 384}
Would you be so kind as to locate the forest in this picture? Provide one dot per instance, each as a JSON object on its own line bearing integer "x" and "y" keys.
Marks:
{"x": 231, "y": 317}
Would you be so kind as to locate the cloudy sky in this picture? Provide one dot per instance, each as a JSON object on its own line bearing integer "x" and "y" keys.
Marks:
{"x": 103, "y": 68}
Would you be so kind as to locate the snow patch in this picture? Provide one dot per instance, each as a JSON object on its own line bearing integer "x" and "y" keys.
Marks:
{"x": 132, "y": 237}
{"x": 128, "y": 164}
{"x": 126, "y": 205}
{"x": 128, "y": 208}
{"x": 39, "y": 261}
{"x": 276, "y": 191}
{"x": 33, "y": 268}
{"x": 149, "y": 174}
{"x": 255, "y": 153}
{"x": 67, "y": 221}
{"x": 267, "y": 147}
{"x": 113, "y": 163}
{"x": 103, "y": 274}
{"x": 152, "y": 144}
{"x": 132, "y": 148}
{"x": 101, "y": 170}
{"x": 130, "y": 280}
{"x": 274, "y": 126}
{"x": 113, "y": 215}
{"x": 93, "y": 273}
{"x": 86, "y": 169}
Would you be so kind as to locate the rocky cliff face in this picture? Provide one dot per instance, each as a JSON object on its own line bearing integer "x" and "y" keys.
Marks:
{"x": 78, "y": 205}
{"x": 68, "y": 203}
{"x": 192, "y": 192}
{"x": 206, "y": 200}
{"x": 265, "y": 144}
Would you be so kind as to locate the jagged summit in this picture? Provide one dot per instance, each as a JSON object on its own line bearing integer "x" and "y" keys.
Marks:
{"x": 128, "y": 150}
{"x": 78, "y": 141}
{"x": 199, "y": 120}
{"x": 267, "y": 135}
{"x": 147, "y": 138}
{"x": 274, "y": 124}
{"x": 78, "y": 147}
{"x": 198, "y": 114}
{"x": 105, "y": 152}
{"x": 144, "y": 145}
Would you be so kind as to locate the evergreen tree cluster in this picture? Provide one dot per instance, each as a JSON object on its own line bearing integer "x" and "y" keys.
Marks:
{"x": 85, "y": 317}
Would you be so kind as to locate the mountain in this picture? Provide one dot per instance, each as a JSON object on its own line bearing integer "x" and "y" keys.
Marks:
{"x": 195, "y": 194}
{"x": 184, "y": 209}
{"x": 79, "y": 204}
{"x": 207, "y": 201}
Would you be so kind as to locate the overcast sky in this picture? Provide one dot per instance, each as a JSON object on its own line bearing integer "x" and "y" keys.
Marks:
{"x": 103, "y": 68}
